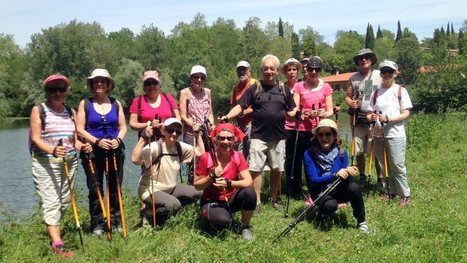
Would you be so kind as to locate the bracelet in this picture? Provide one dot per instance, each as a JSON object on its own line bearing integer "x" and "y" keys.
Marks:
{"x": 229, "y": 183}
{"x": 96, "y": 143}
{"x": 213, "y": 175}
{"x": 120, "y": 141}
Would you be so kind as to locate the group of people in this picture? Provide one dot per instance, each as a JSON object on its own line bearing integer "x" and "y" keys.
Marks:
{"x": 279, "y": 126}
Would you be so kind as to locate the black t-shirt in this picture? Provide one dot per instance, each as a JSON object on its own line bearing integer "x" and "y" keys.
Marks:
{"x": 269, "y": 110}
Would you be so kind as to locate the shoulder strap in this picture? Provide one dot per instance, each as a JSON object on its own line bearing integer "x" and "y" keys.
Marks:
{"x": 86, "y": 109}
{"x": 139, "y": 109}
{"x": 170, "y": 104}
{"x": 399, "y": 94}
{"x": 341, "y": 154}
{"x": 282, "y": 88}
{"x": 258, "y": 89}
{"x": 375, "y": 95}
{"x": 178, "y": 146}
{"x": 41, "y": 114}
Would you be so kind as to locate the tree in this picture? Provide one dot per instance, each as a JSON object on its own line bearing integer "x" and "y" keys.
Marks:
{"x": 379, "y": 34}
{"x": 346, "y": 45}
{"x": 408, "y": 58}
{"x": 123, "y": 42}
{"x": 128, "y": 79}
{"x": 462, "y": 42}
{"x": 369, "y": 37}
{"x": 443, "y": 33}
{"x": 448, "y": 32}
{"x": 399, "y": 31}
{"x": 151, "y": 47}
{"x": 295, "y": 46}
{"x": 281, "y": 28}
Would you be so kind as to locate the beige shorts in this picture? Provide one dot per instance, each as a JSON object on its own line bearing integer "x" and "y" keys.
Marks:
{"x": 362, "y": 140}
{"x": 270, "y": 153}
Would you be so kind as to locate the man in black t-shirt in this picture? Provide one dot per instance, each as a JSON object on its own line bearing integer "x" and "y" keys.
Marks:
{"x": 270, "y": 102}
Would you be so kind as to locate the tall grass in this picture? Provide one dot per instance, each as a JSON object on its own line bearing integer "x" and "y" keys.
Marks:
{"x": 432, "y": 229}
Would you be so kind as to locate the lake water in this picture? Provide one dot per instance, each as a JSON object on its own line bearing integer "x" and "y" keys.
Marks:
{"x": 18, "y": 196}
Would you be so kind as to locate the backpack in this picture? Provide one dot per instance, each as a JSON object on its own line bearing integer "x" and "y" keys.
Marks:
{"x": 41, "y": 107}
{"x": 259, "y": 89}
{"x": 161, "y": 154}
{"x": 139, "y": 106}
{"x": 399, "y": 95}
{"x": 86, "y": 107}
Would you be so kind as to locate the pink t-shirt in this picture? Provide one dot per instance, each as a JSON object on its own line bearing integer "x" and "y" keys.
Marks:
{"x": 148, "y": 112}
{"x": 310, "y": 100}
{"x": 231, "y": 172}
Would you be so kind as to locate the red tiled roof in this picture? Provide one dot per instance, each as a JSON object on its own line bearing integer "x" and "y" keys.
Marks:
{"x": 338, "y": 78}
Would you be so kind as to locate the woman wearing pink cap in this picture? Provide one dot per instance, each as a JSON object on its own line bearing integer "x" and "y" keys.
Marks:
{"x": 154, "y": 106}
{"x": 226, "y": 181}
{"x": 51, "y": 122}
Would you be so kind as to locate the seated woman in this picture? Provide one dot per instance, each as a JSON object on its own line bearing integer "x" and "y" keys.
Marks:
{"x": 161, "y": 159}
{"x": 324, "y": 162}
{"x": 226, "y": 181}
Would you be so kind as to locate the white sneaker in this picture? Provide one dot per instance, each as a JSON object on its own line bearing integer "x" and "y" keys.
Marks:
{"x": 363, "y": 226}
{"x": 246, "y": 233}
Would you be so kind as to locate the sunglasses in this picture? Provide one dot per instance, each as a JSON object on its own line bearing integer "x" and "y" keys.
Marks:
{"x": 317, "y": 70}
{"x": 151, "y": 82}
{"x": 228, "y": 138}
{"x": 171, "y": 131}
{"x": 366, "y": 57}
{"x": 387, "y": 71}
{"x": 202, "y": 77}
{"x": 327, "y": 134}
{"x": 100, "y": 81}
{"x": 52, "y": 90}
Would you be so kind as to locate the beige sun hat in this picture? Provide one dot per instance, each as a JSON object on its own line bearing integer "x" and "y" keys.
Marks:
{"x": 325, "y": 123}
{"x": 100, "y": 72}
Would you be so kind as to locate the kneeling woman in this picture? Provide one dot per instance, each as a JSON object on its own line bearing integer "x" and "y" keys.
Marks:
{"x": 324, "y": 162}
{"x": 158, "y": 184}
{"x": 226, "y": 181}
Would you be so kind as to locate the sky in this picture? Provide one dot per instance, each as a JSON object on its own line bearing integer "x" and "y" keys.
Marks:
{"x": 22, "y": 18}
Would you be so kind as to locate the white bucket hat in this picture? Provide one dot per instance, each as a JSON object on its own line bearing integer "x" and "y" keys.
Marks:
{"x": 100, "y": 72}
{"x": 198, "y": 69}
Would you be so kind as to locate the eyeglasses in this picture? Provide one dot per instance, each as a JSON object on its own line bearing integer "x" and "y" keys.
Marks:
{"x": 202, "y": 77}
{"x": 171, "y": 131}
{"x": 327, "y": 134}
{"x": 366, "y": 57}
{"x": 228, "y": 138}
{"x": 151, "y": 82}
{"x": 52, "y": 90}
{"x": 317, "y": 70}
{"x": 100, "y": 81}
{"x": 387, "y": 71}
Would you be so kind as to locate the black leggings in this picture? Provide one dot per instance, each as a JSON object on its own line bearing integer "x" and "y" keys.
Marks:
{"x": 219, "y": 214}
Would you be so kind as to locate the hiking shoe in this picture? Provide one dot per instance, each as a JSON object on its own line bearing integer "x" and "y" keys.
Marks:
{"x": 380, "y": 185}
{"x": 363, "y": 226}
{"x": 60, "y": 250}
{"x": 405, "y": 201}
{"x": 246, "y": 233}
{"x": 309, "y": 201}
{"x": 98, "y": 231}
{"x": 276, "y": 205}
{"x": 362, "y": 180}
{"x": 117, "y": 228}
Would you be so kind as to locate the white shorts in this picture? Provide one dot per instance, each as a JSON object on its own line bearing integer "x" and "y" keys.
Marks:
{"x": 271, "y": 153}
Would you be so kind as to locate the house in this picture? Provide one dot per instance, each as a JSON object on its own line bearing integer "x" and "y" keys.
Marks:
{"x": 338, "y": 82}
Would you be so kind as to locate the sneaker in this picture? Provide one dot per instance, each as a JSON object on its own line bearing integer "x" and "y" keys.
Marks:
{"x": 98, "y": 231}
{"x": 405, "y": 201}
{"x": 380, "y": 185}
{"x": 60, "y": 250}
{"x": 309, "y": 201}
{"x": 246, "y": 233}
{"x": 117, "y": 228}
{"x": 276, "y": 205}
{"x": 363, "y": 226}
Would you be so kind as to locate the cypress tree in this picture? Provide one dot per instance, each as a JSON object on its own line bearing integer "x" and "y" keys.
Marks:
{"x": 281, "y": 28}
{"x": 399, "y": 31}
{"x": 295, "y": 45}
{"x": 461, "y": 42}
{"x": 443, "y": 33}
{"x": 370, "y": 37}
{"x": 379, "y": 33}
{"x": 452, "y": 29}
{"x": 448, "y": 33}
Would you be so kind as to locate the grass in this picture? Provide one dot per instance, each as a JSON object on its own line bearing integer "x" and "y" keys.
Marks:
{"x": 432, "y": 229}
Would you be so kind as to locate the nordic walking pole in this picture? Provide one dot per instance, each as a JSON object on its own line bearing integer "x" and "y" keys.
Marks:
{"x": 385, "y": 157}
{"x": 119, "y": 193}
{"x": 289, "y": 182}
{"x": 72, "y": 194}
{"x": 153, "y": 198}
{"x": 372, "y": 146}
{"x": 303, "y": 214}
{"x": 109, "y": 224}
{"x": 336, "y": 112}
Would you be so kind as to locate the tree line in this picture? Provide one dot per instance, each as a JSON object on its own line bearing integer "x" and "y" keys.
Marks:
{"x": 76, "y": 48}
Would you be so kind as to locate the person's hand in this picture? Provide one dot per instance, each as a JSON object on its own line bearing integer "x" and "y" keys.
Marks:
{"x": 59, "y": 152}
{"x": 105, "y": 144}
{"x": 343, "y": 174}
{"x": 86, "y": 147}
{"x": 321, "y": 113}
{"x": 220, "y": 183}
{"x": 222, "y": 119}
{"x": 337, "y": 109}
{"x": 156, "y": 123}
{"x": 372, "y": 117}
{"x": 313, "y": 114}
{"x": 196, "y": 127}
{"x": 114, "y": 143}
{"x": 352, "y": 170}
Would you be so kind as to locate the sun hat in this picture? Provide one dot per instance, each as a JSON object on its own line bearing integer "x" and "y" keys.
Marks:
{"x": 314, "y": 62}
{"x": 151, "y": 74}
{"x": 388, "y": 64}
{"x": 100, "y": 72}
{"x": 365, "y": 52}
{"x": 171, "y": 121}
{"x": 56, "y": 77}
{"x": 244, "y": 64}
{"x": 304, "y": 60}
{"x": 198, "y": 69}
{"x": 291, "y": 61}
{"x": 325, "y": 123}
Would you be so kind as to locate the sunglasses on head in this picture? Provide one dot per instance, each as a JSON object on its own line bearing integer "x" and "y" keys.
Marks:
{"x": 317, "y": 70}
{"x": 52, "y": 89}
{"x": 387, "y": 71}
{"x": 151, "y": 82}
{"x": 228, "y": 138}
{"x": 202, "y": 77}
{"x": 171, "y": 131}
{"x": 323, "y": 134}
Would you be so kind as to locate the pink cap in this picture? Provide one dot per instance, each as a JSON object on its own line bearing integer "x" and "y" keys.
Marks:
{"x": 151, "y": 74}
{"x": 56, "y": 77}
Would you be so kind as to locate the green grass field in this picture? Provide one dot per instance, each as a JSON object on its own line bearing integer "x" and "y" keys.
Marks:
{"x": 432, "y": 229}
